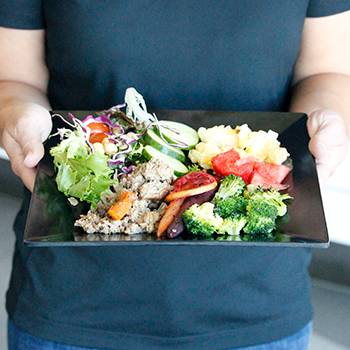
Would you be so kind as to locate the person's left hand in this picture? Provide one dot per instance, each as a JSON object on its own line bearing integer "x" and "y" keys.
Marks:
{"x": 329, "y": 141}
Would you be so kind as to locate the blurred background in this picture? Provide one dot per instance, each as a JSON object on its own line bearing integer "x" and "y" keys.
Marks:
{"x": 330, "y": 268}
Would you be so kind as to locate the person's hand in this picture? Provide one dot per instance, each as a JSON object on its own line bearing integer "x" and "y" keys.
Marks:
{"x": 24, "y": 130}
{"x": 329, "y": 141}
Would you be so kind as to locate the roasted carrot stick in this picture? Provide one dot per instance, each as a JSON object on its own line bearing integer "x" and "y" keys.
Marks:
{"x": 169, "y": 216}
{"x": 191, "y": 192}
{"x": 122, "y": 206}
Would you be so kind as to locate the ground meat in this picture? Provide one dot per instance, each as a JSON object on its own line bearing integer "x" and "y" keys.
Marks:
{"x": 137, "y": 210}
{"x": 149, "y": 221}
{"x": 154, "y": 190}
{"x": 150, "y": 182}
{"x": 155, "y": 169}
{"x": 92, "y": 222}
{"x": 132, "y": 229}
{"x": 106, "y": 201}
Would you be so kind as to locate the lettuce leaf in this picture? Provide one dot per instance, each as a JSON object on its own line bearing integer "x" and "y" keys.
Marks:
{"x": 81, "y": 173}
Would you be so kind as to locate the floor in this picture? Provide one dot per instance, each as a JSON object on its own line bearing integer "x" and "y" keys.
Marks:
{"x": 331, "y": 301}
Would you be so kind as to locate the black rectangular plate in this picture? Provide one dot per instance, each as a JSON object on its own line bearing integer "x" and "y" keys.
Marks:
{"x": 51, "y": 218}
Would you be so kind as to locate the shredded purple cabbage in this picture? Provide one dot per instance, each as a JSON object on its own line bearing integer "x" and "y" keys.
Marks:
{"x": 121, "y": 138}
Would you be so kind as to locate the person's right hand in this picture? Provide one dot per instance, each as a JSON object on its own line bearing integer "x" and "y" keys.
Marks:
{"x": 328, "y": 141}
{"x": 25, "y": 128}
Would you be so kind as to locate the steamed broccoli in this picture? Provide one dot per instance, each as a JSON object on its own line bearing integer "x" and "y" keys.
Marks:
{"x": 232, "y": 226}
{"x": 229, "y": 200}
{"x": 231, "y": 207}
{"x": 261, "y": 207}
{"x": 201, "y": 219}
{"x": 258, "y": 224}
{"x": 269, "y": 197}
{"x": 230, "y": 186}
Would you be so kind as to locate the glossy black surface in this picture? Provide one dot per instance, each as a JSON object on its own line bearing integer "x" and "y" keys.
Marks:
{"x": 51, "y": 218}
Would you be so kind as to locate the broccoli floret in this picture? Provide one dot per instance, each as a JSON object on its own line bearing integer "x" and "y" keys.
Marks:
{"x": 261, "y": 213}
{"x": 229, "y": 201}
{"x": 261, "y": 207}
{"x": 259, "y": 224}
{"x": 232, "y": 226}
{"x": 231, "y": 207}
{"x": 271, "y": 197}
{"x": 201, "y": 219}
{"x": 230, "y": 186}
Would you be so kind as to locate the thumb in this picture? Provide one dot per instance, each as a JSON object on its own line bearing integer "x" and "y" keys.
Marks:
{"x": 329, "y": 121}
{"x": 33, "y": 151}
{"x": 30, "y": 132}
{"x": 328, "y": 140}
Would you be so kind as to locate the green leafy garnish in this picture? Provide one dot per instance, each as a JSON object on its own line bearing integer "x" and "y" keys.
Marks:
{"x": 81, "y": 172}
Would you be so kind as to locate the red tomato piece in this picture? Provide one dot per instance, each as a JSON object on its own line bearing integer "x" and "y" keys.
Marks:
{"x": 193, "y": 180}
{"x": 98, "y": 127}
{"x": 97, "y": 137}
{"x": 276, "y": 173}
{"x": 98, "y": 131}
{"x": 223, "y": 162}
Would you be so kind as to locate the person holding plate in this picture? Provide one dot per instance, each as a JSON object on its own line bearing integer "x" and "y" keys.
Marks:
{"x": 225, "y": 55}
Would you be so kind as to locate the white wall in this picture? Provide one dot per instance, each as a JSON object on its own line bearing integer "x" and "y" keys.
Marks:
{"x": 336, "y": 201}
{"x": 3, "y": 155}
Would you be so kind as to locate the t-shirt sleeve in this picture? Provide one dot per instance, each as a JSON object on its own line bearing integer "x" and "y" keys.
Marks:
{"x": 320, "y": 8}
{"x": 21, "y": 14}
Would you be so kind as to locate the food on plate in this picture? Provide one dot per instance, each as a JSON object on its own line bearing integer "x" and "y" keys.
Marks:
{"x": 193, "y": 183}
{"x": 178, "y": 167}
{"x": 232, "y": 226}
{"x": 229, "y": 200}
{"x": 151, "y": 138}
{"x": 148, "y": 183}
{"x": 82, "y": 171}
{"x": 201, "y": 219}
{"x": 164, "y": 178}
{"x": 179, "y": 134}
{"x": 260, "y": 145}
{"x": 236, "y": 207}
{"x": 177, "y": 227}
{"x": 169, "y": 216}
{"x": 249, "y": 169}
{"x": 215, "y": 140}
{"x": 267, "y": 174}
{"x": 122, "y": 206}
{"x": 98, "y": 131}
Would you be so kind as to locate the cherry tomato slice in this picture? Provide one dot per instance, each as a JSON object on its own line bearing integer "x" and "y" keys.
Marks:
{"x": 193, "y": 180}
{"x": 98, "y": 127}
{"x": 223, "y": 162}
{"x": 97, "y": 137}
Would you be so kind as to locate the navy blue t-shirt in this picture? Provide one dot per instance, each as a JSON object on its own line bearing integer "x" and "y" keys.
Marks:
{"x": 181, "y": 54}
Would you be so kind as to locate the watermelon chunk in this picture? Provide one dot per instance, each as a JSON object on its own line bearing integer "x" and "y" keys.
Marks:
{"x": 266, "y": 182}
{"x": 274, "y": 172}
{"x": 250, "y": 170}
{"x": 243, "y": 168}
{"x": 223, "y": 162}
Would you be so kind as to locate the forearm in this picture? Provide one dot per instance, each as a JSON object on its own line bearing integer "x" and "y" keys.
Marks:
{"x": 15, "y": 97}
{"x": 323, "y": 91}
